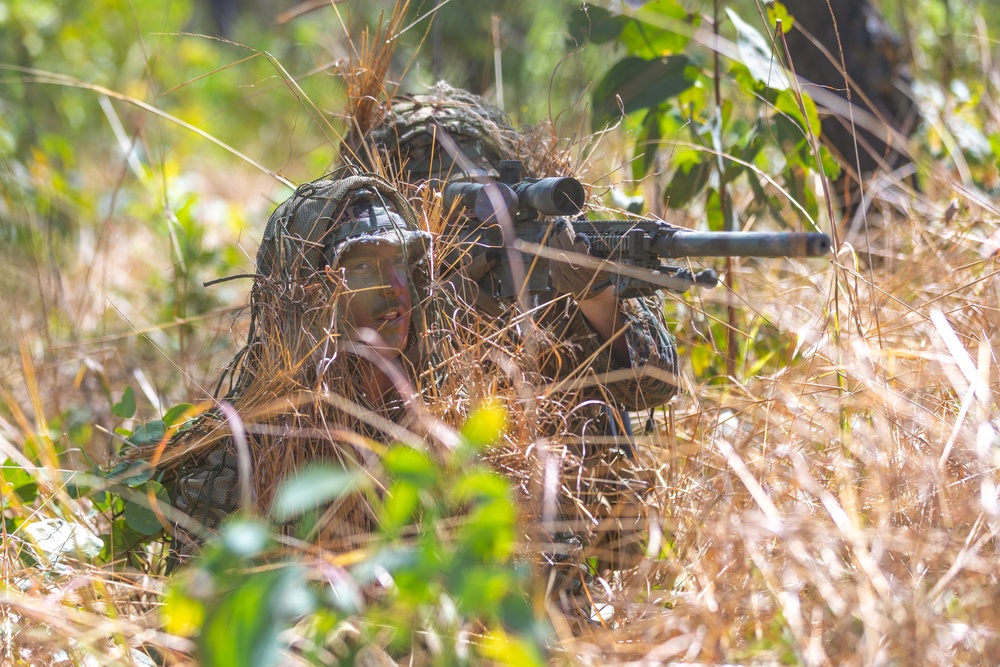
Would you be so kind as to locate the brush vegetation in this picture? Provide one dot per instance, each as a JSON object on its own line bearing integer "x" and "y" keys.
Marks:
{"x": 824, "y": 491}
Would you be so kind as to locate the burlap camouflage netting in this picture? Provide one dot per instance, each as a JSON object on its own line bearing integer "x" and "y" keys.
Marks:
{"x": 447, "y": 133}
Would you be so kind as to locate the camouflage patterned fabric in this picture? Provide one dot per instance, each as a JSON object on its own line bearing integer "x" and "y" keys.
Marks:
{"x": 416, "y": 138}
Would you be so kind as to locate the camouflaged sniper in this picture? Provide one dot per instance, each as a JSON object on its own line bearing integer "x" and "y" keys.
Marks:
{"x": 307, "y": 233}
{"x": 407, "y": 141}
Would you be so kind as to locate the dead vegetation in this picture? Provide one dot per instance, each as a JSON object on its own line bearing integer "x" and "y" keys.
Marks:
{"x": 835, "y": 503}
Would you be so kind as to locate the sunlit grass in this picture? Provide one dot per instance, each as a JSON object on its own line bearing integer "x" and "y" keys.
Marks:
{"x": 835, "y": 502}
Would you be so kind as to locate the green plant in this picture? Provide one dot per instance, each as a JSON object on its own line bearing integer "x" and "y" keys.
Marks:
{"x": 440, "y": 567}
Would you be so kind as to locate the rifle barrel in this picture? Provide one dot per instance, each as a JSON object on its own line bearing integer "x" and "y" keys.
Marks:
{"x": 742, "y": 244}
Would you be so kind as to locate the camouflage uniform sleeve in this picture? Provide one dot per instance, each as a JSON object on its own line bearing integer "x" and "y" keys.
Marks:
{"x": 207, "y": 491}
{"x": 650, "y": 378}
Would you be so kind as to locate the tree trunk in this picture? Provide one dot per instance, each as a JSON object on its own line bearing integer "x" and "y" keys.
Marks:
{"x": 878, "y": 72}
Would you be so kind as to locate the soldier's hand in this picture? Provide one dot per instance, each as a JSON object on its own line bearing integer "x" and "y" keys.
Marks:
{"x": 570, "y": 272}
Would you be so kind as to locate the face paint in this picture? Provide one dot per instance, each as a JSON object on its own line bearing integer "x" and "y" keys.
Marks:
{"x": 377, "y": 297}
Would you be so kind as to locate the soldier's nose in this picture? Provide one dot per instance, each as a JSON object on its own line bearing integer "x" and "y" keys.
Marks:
{"x": 396, "y": 281}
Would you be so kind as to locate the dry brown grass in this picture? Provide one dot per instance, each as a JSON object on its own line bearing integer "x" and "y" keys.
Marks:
{"x": 839, "y": 509}
{"x": 837, "y": 505}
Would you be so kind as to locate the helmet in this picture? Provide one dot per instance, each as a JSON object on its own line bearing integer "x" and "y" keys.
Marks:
{"x": 447, "y": 133}
{"x": 312, "y": 228}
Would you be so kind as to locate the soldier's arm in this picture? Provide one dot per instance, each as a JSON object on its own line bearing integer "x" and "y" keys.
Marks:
{"x": 643, "y": 377}
{"x": 603, "y": 312}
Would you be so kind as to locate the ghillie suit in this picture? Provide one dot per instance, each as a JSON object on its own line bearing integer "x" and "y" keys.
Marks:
{"x": 577, "y": 461}
{"x": 416, "y": 136}
{"x": 294, "y": 388}
{"x": 875, "y": 68}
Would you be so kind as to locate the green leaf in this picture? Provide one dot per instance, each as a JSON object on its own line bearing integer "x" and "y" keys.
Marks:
{"x": 313, "y": 487}
{"x": 594, "y": 24}
{"x": 659, "y": 28}
{"x": 636, "y": 83}
{"x": 131, "y": 473}
{"x": 787, "y": 103}
{"x": 750, "y": 144}
{"x": 400, "y": 506}
{"x": 777, "y": 12}
{"x": 713, "y": 211}
{"x": 390, "y": 559}
{"x": 831, "y": 166}
{"x": 645, "y": 145}
{"x": 175, "y": 413}
{"x": 139, "y": 514}
{"x": 481, "y": 590}
{"x": 798, "y": 188}
{"x": 489, "y": 532}
{"x": 406, "y": 463}
{"x": 148, "y": 433}
{"x": 755, "y": 52}
{"x": 182, "y": 615}
{"x": 502, "y": 648}
{"x": 141, "y": 477}
{"x": 480, "y": 485}
{"x": 27, "y": 492}
{"x": 687, "y": 182}
{"x": 244, "y": 629}
{"x": 18, "y": 480}
{"x": 244, "y": 538}
{"x": 125, "y": 408}
{"x": 995, "y": 147}
{"x": 485, "y": 426}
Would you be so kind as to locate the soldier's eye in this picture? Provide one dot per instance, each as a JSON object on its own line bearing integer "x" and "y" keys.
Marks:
{"x": 358, "y": 267}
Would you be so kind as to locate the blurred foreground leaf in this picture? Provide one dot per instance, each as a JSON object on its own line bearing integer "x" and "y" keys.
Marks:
{"x": 313, "y": 488}
{"x": 243, "y": 630}
{"x": 485, "y": 426}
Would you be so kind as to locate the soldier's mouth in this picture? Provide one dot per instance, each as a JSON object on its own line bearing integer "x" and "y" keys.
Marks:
{"x": 391, "y": 315}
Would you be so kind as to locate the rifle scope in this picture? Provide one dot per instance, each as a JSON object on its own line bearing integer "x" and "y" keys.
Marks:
{"x": 554, "y": 195}
{"x": 483, "y": 199}
{"x": 742, "y": 244}
{"x": 548, "y": 196}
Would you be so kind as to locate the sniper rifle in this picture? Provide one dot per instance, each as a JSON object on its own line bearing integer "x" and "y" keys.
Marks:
{"x": 629, "y": 250}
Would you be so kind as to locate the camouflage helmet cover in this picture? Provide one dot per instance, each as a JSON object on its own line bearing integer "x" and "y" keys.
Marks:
{"x": 410, "y": 137}
{"x": 313, "y": 227}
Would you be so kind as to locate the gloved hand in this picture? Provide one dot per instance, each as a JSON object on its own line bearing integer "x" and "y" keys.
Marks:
{"x": 570, "y": 275}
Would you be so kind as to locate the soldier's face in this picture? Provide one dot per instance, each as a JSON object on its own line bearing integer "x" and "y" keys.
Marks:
{"x": 377, "y": 297}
